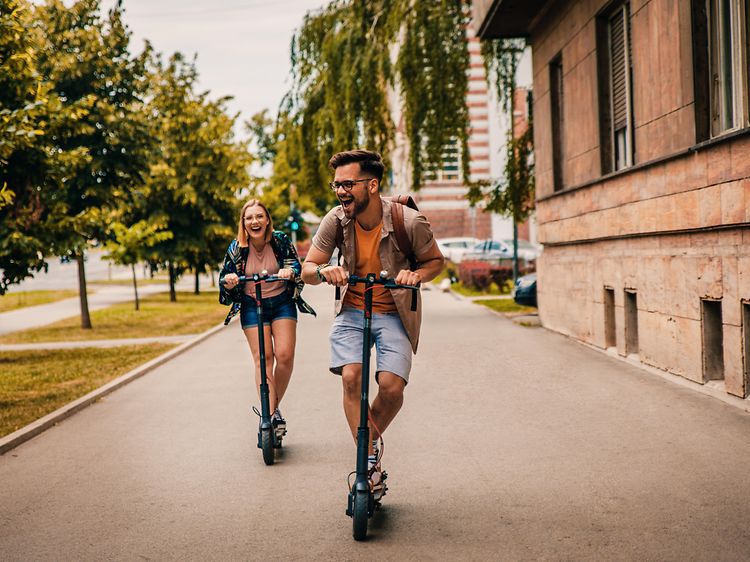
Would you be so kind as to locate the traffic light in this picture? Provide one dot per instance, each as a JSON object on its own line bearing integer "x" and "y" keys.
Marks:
{"x": 294, "y": 221}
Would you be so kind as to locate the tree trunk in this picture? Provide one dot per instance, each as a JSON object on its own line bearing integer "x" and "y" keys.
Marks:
{"x": 197, "y": 282}
{"x": 213, "y": 278}
{"x": 85, "y": 317}
{"x": 172, "y": 292}
{"x": 135, "y": 288}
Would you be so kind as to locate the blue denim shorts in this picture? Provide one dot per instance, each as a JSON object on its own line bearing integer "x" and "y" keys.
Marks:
{"x": 274, "y": 308}
{"x": 393, "y": 349}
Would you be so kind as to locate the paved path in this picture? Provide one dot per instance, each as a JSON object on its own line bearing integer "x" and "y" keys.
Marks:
{"x": 514, "y": 444}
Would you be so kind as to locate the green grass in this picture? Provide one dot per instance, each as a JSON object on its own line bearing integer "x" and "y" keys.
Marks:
{"x": 462, "y": 289}
{"x": 191, "y": 314}
{"x": 35, "y": 383}
{"x": 14, "y": 301}
{"x": 507, "y": 306}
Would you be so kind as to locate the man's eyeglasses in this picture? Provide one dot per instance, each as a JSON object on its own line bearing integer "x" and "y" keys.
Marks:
{"x": 348, "y": 185}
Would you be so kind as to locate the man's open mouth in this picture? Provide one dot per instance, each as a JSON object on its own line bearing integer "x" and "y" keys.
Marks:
{"x": 346, "y": 202}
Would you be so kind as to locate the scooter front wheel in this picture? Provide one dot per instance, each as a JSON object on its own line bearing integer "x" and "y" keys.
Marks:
{"x": 266, "y": 445}
{"x": 360, "y": 514}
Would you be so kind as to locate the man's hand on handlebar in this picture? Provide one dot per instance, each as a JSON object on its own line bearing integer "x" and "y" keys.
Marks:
{"x": 334, "y": 275}
{"x": 407, "y": 277}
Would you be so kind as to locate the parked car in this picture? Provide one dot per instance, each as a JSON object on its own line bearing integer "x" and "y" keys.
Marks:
{"x": 489, "y": 250}
{"x": 524, "y": 291}
{"x": 454, "y": 248}
{"x": 526, "y": 250}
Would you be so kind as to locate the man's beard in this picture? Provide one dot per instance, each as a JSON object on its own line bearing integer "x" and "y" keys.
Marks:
{"x": 358, "y": 206}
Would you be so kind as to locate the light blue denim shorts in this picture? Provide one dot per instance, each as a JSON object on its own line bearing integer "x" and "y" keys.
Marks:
{"x": 392, "y": 346}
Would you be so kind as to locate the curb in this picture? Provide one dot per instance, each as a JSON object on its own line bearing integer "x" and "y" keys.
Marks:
{"x": 53, "y": 418}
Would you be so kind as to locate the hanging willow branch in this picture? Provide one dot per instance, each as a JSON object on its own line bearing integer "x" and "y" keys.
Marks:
{"x": 513, "y": 195}
{"x": 432, "y": 65}
{"x": 343, "y": 76}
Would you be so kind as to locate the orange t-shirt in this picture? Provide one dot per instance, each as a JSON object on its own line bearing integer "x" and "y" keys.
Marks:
{"x": 367, "y": 245}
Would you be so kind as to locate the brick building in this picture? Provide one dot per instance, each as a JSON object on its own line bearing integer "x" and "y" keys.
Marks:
{"x": 642, "y": 151}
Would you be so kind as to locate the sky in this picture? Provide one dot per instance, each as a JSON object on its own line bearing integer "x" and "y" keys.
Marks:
{"x": 242, "y": 45}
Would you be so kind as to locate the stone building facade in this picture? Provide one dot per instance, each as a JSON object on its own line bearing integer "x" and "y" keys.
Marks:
{"x": 642, "y": 151}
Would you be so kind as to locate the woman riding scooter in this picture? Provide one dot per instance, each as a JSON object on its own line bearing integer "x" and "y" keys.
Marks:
{"x": 260, "y": 248}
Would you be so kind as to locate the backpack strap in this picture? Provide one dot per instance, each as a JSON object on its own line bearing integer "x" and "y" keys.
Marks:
{"x": 399, "y": 230}
{"x": 404, "y": 199}
{"x": 340, "y": 246}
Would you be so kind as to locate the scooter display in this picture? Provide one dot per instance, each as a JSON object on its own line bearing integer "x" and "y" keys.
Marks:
{"x": 269, "y": 437}
{"x": 363, "y": 499}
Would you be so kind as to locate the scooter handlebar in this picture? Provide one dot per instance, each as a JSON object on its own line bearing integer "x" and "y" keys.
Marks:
{"x": 262, "y": 276}
{"x": 388, "y": 283}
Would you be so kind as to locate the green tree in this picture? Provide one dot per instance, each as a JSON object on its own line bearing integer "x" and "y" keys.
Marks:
{"x": 513, "y": 195}
{"x": 130, "y": 245}
{"x": 196, "y": 172}
{"x": 343, "y": 76}
{"x": 86, "y": 59}
{"x": 30, "y": 112}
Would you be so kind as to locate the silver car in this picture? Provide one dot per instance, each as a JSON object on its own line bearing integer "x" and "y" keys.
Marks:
{"x": 454, "y": 248}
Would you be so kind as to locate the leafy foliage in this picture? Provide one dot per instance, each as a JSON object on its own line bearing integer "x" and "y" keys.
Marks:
{"x": 433, "y": 80}
{"x": 513, "y": 195}
{"x": 195, "y": 173}
{"x": 349, "y": 60}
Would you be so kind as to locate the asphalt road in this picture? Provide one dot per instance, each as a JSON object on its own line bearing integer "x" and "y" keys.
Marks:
{"x": 514, "y": 444}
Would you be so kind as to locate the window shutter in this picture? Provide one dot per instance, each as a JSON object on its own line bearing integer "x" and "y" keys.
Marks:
{"x": 619, "y": 64}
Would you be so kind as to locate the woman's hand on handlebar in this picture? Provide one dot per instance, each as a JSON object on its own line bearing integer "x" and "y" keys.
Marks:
{"x": 407, "y": 277}
{"x": 231, "y": 280}
{"x": 334, "y": 275}
{"x": 285, "y": 274}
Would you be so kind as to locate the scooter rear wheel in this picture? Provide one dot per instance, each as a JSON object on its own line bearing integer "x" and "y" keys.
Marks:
{"x": 266, "y": 445}
{"x": 360, "y": 515}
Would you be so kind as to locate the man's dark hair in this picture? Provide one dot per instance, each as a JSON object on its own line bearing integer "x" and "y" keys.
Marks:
{"x": 369, "y": 162}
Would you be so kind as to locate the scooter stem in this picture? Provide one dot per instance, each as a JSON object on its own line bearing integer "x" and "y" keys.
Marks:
{"x": 265, "y": 410}
{"x": 363, "y": 431}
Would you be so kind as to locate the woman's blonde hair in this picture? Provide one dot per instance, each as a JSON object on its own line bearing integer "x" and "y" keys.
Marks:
{"x": 242, "y": 235}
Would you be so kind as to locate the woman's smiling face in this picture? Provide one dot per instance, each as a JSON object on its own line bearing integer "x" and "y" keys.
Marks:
{"x": 255, "y": 221}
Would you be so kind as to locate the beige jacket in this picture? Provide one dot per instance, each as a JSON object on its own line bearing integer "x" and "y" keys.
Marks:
{"x": 420, "y": 234}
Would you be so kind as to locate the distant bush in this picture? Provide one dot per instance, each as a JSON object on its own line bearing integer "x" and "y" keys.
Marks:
{"x": 480, "y": 275}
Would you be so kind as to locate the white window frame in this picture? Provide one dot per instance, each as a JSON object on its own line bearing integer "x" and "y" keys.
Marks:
{"x": 451, "y": 158}
{"x": 727, "y": 117}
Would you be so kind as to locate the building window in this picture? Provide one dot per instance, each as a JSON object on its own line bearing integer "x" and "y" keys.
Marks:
{"x": 558, "y": 120}
{"x": 615, "y": 88}
{"x": 713, "y": 340}
{"x": 746, "y": 347}
{"x": 727, "y": 54}
{"x": 631, "y": 322}
{"x": 720, "y": 65}
{"x": 450, "y": 169}
{"x": 610, "y": 329}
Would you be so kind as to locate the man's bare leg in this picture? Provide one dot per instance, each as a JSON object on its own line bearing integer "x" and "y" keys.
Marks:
{"x": 388, "y": 402}
{"x": 386, "y": 405}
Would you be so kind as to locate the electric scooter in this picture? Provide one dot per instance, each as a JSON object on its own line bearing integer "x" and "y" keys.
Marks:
{"x": 269, "y": 437}
{"x": 362, "y": 500}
